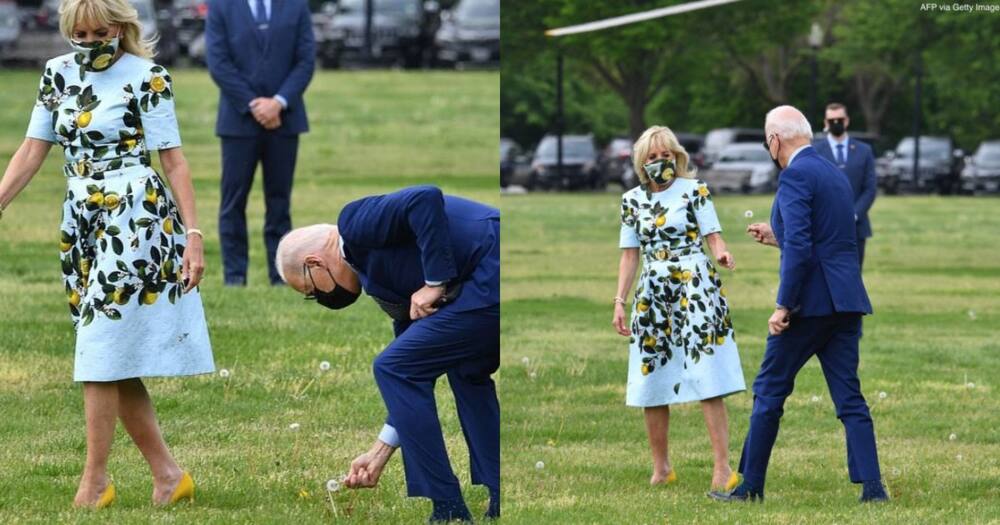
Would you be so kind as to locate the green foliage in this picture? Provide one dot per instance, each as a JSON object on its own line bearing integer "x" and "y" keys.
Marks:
{"x": 726, "y": 66}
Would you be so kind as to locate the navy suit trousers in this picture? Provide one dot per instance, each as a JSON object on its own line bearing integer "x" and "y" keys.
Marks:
{"x": 834, "y": 341}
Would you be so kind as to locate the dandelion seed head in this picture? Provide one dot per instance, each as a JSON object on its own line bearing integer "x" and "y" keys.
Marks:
{"x": 324, "y": 365}
{"x": 533, "y": 375}
{"x": 293, "y": 427}
{"x": 224, "y": 373}
{"x": 959, "y": 457}
{"x": 815, "y": 399}
{"x": 748, "y": 214}
{"x": 952, "y": 437}
{"x": 882, "y": 395}
{"x": 540, "y": 465}
{"x": 525, "y": 360}
{"x": 970, "y": 385}
{"x": 332, "y": 485}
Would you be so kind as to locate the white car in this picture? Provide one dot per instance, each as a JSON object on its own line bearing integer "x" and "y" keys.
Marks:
{"x": 982, "y": 170}
{"x": 745, "y": 167}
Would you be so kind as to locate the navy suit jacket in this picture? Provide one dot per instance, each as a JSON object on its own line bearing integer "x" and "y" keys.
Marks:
{"x": 813, "y": 222}
{"x": 246, "y": 63}
{"x": 860, "y": 171}
{"x": 399, "y": 241}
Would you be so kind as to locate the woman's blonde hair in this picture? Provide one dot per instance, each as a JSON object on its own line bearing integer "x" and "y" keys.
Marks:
{"x": 659, "y": 137}
{"x": 107, "y": 12}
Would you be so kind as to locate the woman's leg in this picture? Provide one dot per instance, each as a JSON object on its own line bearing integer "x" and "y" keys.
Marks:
{"x": 139, "y": 418}
{"x": 657, "y": 427}
{"x": 718, "y": 432}
{"x": 100, "y": 405}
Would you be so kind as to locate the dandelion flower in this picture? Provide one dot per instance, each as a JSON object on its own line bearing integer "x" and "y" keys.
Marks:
{"x": 748, "y": 214}
{"x": 303, "y": 493}
{"x": 224, "y": 373}
{"x": 324, "y": 365}
{"x": 540, "y": 465}
{"x": 294, "y": 427}
{"x": 952, "y": 437}
{"x": 332, "y": 485}
{"x": 882, "y": 395}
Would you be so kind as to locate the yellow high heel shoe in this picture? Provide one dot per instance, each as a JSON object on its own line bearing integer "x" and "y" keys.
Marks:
{"x": 671, "y": 478}
{"x": 184, "y": 490}
{"x": 733, "y": 481}
{"x": 107, "y": 497}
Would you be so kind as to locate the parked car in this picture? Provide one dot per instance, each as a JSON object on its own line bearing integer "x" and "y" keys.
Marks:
{"x": 161, "y": 25}
{"x": 515, "y": 167}
{"x": 190, "y": 19}
{"x": 616, "y": 163}
{"x": 693, "y": 143}
{"x": 717, "y": 140}
{"x": 745, "y": 167}
{"x": 940, "y": 166}
{"x": 402, "y": 33}
{"x": 982, "y": 170}
{"x": 470, "y": 34}
{"x": 10, "y": 27}
{"x": 580, "y": 169}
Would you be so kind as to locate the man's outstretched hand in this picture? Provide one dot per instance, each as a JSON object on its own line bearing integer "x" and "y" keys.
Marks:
{"x": 367, "y": 468}
{"x": 762, "y": 233}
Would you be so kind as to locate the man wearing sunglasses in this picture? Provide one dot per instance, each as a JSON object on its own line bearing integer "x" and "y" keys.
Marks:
{"x": 432, "y": 262}
{"x": 856, "y": 160}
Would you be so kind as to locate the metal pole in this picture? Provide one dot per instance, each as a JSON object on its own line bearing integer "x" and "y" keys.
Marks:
{"x": 559, "y": 114}
{"x": 812, "y": 91}
{"x": 916, "y": 117}
{"x": 369, "y": 9}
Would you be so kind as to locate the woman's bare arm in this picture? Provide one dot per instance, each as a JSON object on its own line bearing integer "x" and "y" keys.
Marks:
{"x": 23, "y": 166}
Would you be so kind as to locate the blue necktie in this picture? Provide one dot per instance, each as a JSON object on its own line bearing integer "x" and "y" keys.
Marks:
{"x": 840, "y": 150}
{"x": 261, "y": 14}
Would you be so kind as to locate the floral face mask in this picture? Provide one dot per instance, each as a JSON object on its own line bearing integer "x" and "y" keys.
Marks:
{"x": 661, "y": 171}
{"x": 96, "y": 56}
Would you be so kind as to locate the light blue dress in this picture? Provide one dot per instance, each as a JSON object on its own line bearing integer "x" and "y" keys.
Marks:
{"x": 122, "y": 239}
{"x": 683, "y": 347}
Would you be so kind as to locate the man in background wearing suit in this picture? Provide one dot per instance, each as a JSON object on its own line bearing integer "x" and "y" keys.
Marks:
{"x": 261, "y": 54}
{"x": 432, "y": 262}
{"x": 856, "y": 160}
{"x": 821, "y": 299}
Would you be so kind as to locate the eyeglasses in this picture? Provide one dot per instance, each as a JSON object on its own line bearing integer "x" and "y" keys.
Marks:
{"x": 311, "y": 296}
{"x": 767, "y": 143}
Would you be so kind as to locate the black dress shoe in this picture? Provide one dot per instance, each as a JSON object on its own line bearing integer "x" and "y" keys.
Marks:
{"x": 740, "y": 493}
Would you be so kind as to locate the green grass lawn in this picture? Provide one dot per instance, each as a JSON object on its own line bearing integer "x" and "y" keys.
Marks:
{"x": 933, "y": 261}
{"x": 372, "y": 132}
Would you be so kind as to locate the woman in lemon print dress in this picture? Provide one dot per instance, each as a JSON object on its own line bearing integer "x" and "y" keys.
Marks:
{"x": 682, "y": 343}
{"x": 131, "y": 255}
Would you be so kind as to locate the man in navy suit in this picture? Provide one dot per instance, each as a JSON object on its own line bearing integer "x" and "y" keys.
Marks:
{"x": 821, "y": 299}
{"x": 432, "y": 262}
{"x": 261, "y": 54}
{"x": 856, "y": 160}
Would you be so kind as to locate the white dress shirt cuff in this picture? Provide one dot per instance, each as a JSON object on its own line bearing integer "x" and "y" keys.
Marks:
{"x": 389, "y": 436}
{"x": 281, "y": 100}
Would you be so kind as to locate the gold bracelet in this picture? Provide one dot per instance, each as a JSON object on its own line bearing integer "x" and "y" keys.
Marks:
{"x": 197, "y": 232}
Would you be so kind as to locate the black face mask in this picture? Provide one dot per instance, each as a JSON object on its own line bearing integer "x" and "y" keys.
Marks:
{"x": 836, "y": 126}
{"x": 335, "y": 299}
{"x": 773, "y": 159}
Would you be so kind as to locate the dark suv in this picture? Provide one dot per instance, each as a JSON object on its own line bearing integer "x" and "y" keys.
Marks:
{"x": 940, "y": 166}
{"x": 402, "y": 33}
{"x": 580, "y": 169}
{"x": 470, "y": 34}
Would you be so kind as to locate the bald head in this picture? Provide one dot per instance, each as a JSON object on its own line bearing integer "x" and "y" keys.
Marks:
{"x": 786, "y": 129}
{"x": 788, "y": 123}
{"x": 300, "y": 243}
